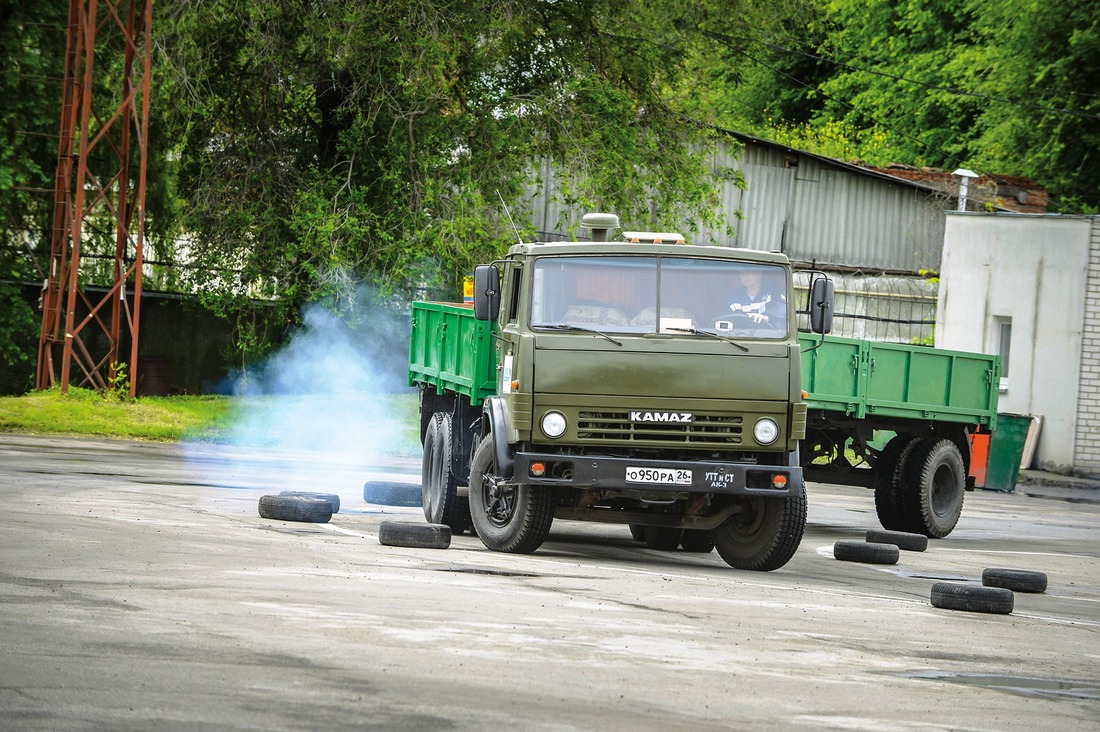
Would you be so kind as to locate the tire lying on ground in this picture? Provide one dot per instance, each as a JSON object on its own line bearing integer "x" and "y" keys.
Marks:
{"x": 332, "y": 498}
{"x": 1020, "y": 580}
{"x": 900, "y": 539}
{"x": 868, "y": 552}
{"x": 386, "y": 493}
{"x": 415, "y": 535}
{"x": 295, "y": 508}
{"x": 950, "y": 596}
{"x": 662, "y": 538}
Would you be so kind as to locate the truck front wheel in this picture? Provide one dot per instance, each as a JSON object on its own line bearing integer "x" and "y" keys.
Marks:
{"x": 508, "y": 518}
{"x": 765, "y": 535}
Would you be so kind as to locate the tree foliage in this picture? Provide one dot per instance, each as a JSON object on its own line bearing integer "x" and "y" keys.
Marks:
{"x": 299, "y": 148}
{"x": 1000, "y": 86}
{"x": 327, "y": 141}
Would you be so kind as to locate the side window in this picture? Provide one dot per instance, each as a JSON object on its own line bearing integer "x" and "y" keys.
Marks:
{"x": 516, "y": 275}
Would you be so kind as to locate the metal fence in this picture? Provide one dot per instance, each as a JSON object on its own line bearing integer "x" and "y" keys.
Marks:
{"x": 890, "y": 308}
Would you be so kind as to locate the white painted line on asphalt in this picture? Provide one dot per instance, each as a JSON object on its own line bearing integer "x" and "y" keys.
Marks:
{"x": 1006, "y": 551}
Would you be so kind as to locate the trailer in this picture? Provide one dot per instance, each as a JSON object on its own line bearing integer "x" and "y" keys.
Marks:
{"x": 616, "y": 382}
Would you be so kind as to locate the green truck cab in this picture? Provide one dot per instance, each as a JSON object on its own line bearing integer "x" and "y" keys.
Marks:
{"x": 635, "y": 382}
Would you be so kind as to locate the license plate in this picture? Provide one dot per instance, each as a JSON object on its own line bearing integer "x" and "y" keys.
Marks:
{"x": 658, "y": 476}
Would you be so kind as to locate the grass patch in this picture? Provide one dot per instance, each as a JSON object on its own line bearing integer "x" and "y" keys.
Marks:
{"x": 83, "y": 412}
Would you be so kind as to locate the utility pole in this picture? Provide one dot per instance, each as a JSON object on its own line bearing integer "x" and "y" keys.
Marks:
{"x": 100, "y": 181}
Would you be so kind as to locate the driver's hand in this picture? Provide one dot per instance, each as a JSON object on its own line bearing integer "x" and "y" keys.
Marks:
{"x": 758, "y": 317}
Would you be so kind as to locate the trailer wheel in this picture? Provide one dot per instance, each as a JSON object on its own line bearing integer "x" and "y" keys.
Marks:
{"x": 935, "y": 483}
{"x": 414, "y": 535}
{"x": 332, "y": 498}
{"x": 662, "y": 538}
{"x": 697, "y": 540}
{"x": 295, "y": 508}
{"x": 1020, "y": 580}
{"x": 887, "y": 481}
{"x": 995, "y": 600}
{"x": 508, "y": 518}
{"x": 439, "y": 496}
{"x": 765, "y": 534}
{"x": 637, "y": 532}
{"x": 869, "y": 552}
{"x": 901, "y": 539}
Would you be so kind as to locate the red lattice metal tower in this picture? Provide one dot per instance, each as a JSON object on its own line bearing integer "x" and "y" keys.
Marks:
{"x": 100, "y": 179}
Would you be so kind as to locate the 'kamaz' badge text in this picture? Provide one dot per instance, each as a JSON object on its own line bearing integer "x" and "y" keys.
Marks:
{"x": 679, "y": 417}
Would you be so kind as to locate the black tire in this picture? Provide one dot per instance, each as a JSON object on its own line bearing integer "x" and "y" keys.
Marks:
{"x": 901, "y": 539}
{"x": 385, "y": 493}
{"x": 637, "y": 532}
{"x": 972, "y": 599}
{"x": 934, "y": 486}
{"x": 868, "y": 553}
{"x": 332, "y": 498}
{"x": 415, "y": 535}
{"x": 696, "y": 540}
{"x": 662, "y": 538}
{"x": 439, "y": 489}
{"x": 765, "y": 535}
{"x": 1020, "y": 580}
{"x": 295, "y": 508}
{"x": 508, "y": 518}
{"x": 889, "y": 469}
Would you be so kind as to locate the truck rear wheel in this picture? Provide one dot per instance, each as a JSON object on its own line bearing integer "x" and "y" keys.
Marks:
{"x": 765, "y": 535}
{"x": 507, "y": 518}
{"x": 439, "y": 492}
{"x": 889, "y": 469}
{"x": 934, "y": 485}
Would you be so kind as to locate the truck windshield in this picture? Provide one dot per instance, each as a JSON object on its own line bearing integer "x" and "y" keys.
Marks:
{"x": 648, "y": 294}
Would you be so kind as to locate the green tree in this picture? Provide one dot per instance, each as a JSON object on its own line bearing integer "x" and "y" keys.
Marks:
{"x": 322, "y": 138}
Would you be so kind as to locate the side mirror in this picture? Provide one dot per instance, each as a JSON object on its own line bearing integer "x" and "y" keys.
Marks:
{"x": 821, "y": 305}
{"x": 486, "y": 292}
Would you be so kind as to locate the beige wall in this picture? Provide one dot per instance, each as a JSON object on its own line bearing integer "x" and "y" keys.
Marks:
{"x": 1031, "y": 271}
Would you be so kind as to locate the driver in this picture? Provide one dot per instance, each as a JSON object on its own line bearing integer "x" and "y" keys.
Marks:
{"x": 759, "y": 302}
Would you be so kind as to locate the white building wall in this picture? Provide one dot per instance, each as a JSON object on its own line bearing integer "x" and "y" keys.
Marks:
{"x": 1029, "y": 271}
{"x": 1087, "y": 456}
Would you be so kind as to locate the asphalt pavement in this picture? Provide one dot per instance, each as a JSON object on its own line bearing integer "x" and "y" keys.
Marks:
{"x": 141, "y": 590}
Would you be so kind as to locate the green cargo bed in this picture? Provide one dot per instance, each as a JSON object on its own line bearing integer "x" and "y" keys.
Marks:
{"x": 451, "y": 350}
{"x": 865, "y": 379}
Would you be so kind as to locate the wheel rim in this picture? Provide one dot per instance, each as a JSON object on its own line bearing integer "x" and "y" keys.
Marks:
{"x": 944, "y": 491}
{"x": 749, "y": 522}
{"x": 500, "y": 503}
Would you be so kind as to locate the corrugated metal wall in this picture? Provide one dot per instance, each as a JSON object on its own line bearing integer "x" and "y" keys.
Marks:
{"x": 807, "y": 207}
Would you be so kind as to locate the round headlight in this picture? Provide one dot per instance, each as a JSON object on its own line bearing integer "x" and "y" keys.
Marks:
{"x": 765, "y": 431}
{"x": 553, "y": 424}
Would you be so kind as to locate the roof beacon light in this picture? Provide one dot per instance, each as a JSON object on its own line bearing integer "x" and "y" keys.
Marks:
{"x": 653, "y": 237}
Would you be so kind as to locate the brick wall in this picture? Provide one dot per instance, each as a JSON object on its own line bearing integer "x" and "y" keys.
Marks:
{"x": 1087, "y": 443}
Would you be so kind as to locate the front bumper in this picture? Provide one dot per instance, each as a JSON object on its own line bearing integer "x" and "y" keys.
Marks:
{"x": 604, "y": 473}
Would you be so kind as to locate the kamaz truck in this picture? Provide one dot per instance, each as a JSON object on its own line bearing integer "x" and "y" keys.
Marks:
{"x": 620, "y": 381}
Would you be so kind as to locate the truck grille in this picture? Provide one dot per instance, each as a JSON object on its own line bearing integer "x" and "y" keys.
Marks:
{"x": 616, "y": 428}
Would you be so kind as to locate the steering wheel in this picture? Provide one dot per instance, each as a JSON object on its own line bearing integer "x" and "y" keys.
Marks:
{"x": 739, "y": 321}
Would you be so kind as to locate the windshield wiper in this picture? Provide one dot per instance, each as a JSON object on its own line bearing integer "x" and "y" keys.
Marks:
{"x": 563, "y": 326}
{"x": 712, "y": 334}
